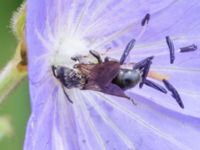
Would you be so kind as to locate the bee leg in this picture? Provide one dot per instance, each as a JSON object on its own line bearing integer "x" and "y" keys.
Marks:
{"x": 76, "y": 58}
{"x": 106, "y": 59}
{"x": 128, "y": 48}
{"x": 174, "y": 92}
{"x": 68, "y": 98}
{"x": 96, "y": 55}
{"x": 134, "y": 103}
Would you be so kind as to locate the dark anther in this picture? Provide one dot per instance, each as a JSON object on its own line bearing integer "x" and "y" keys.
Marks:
{"x": 171, "y": 49}
{"x": 145, "y": 72}
{"x": 175, "y": 94}
{"x": 146, "y": 69}
{"x": 146, "y": 19}
{"x": 128, "y": 48}
{"x": 140, "y": 65}
{"x": 96, "y": 55}
{"x": 189, "y": 48}
{"x": 154, "y": 85}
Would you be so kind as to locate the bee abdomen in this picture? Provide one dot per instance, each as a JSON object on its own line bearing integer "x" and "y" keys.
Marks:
{"x": 127, "y": 79}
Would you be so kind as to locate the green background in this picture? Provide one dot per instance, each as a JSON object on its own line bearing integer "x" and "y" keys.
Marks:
{"x": 16, "y": 106}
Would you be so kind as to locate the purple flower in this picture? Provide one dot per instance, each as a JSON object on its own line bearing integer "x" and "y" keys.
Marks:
{"x": 59, "y": 29}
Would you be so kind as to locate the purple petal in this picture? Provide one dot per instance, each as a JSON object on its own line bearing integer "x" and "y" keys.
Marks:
{"x": 183, "y": 74}
{"x": 60, "y": 29}
{"x": 122, "y": 125}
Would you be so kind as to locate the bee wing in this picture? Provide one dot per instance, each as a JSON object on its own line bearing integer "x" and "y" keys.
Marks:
{"x": 101, "y": 74}
{"x": 99, "y": 77}
{"x": 110, "y": 89}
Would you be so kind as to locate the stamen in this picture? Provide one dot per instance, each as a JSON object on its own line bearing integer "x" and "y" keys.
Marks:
{"x": 175, "y": 94}
{"x": 142, "y": 63}
{"x": 155, "y": 86}
{"x": 146, "y": 69}
{"x": 145, "y": 72}
{"x": 189, "y": 48}
{"x": 171, "y": 49}
{"x": 146, "y": 19}
{"x": 128, "y": 48}
{"x": 157, "y": 76}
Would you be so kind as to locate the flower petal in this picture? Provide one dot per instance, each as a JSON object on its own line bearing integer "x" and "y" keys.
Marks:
{"x": 52, "y": 124}
{"x": 59, "y": 29}
{"x": 183, "y": 74}
{"x": 105, "y": 122}
{"x": 122, "y": 125}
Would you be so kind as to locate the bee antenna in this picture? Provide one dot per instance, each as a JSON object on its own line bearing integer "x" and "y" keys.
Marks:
{"x": 54, "y": 70}
{"x": 67, "y": 96}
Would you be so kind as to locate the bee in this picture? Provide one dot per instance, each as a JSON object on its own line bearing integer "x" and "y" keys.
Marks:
{"x": 108, "y": 76}
{"x": 105, "y": 76}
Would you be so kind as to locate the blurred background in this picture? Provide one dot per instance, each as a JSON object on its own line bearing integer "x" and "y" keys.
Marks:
{"x": 16, "y": 106}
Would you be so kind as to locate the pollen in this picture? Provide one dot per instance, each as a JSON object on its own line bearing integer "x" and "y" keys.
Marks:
{"x": 157, "y": 76}
{"x": 68, "y": 48}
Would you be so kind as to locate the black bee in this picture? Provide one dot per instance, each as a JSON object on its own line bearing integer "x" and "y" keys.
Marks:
{"x": 108, "y": 76}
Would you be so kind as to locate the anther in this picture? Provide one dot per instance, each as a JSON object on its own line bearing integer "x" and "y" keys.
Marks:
{"x": 146, "y": 19}
{"x": 174, "y": 92}
{"x": 146, "y": 69}
{"x": 171, "y": 49}
{"x": 189, "y": 48}
{"x": 141, "y": 64}
{"x": 128, "y": 48}
{"x": 154, "y": 85}
{"x": 145, "y": 72}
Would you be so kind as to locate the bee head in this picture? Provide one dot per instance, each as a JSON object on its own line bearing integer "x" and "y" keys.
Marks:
{"x": 57, "y": 71}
